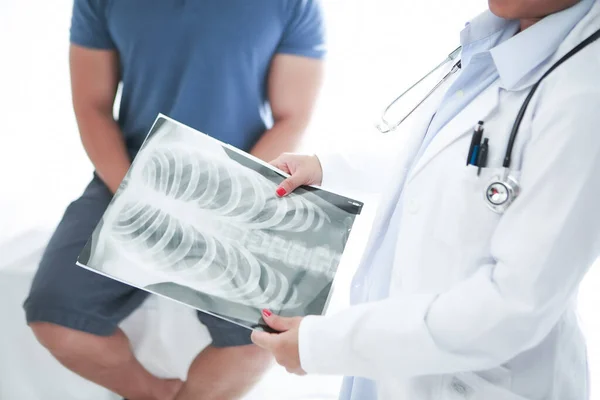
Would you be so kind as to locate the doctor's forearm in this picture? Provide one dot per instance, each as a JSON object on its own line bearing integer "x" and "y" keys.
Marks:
{"x": 400, "y": 338}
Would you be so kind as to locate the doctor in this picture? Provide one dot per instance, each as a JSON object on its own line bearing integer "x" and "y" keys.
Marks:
{"x": 461, "y": 294}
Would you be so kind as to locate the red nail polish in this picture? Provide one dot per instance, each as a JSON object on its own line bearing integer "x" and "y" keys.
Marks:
{"x": 281, "y": 192}
{"x": 266, "y": 313}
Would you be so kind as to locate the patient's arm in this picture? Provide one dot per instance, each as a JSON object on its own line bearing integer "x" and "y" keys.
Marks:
{"x": 94, "y": 82}
{"x": 293, "y": 86}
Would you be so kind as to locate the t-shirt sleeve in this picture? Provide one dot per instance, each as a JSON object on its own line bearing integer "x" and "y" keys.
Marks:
{"x": 304, "y": 34}
{"x": 89, "y": 24}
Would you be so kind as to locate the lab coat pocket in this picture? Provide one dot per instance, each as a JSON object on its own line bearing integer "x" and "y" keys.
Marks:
{"x": 493, "y": 384}
{"x": 465, "y": 218}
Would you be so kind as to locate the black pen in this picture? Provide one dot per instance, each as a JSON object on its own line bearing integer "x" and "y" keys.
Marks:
{"x": 482, "y": 159}
{"x": 473, "y": 155}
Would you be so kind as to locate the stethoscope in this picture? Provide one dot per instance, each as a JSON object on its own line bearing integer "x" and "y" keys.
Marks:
{"x": 504, "y": 188}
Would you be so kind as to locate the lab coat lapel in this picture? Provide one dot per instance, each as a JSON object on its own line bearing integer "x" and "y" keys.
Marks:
{"x": 415, "y": 132}
{"x": 463, "y": 124}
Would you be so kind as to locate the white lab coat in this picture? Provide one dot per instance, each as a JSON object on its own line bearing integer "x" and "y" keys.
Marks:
{"x": 482, "y": 306}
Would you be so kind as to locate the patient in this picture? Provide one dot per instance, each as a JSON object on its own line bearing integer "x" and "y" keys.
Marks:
{"x": 247, "y": 73}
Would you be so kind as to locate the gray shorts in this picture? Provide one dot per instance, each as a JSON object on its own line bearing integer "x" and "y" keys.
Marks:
{"x": 64, "y": 294}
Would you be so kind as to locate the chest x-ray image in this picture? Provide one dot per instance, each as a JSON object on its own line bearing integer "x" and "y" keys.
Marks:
{"x": 198, "y": 221}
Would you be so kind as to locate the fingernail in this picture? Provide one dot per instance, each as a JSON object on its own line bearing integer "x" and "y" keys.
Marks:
{"x": 266, "y": 313}
{"x": 280, "y": 192}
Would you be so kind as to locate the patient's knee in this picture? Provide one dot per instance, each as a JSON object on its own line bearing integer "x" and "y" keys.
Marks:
{"x": 69, "y": 345}
{"x": 261, "y": 357}
{"x": 225, "y": 372}
{"x": 251, "y": 359}
{"x": 75, "y": 349}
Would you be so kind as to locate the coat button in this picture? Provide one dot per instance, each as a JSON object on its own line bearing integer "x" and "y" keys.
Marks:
{"x": 413, "y": 206}
{"x": 459, "y": 387}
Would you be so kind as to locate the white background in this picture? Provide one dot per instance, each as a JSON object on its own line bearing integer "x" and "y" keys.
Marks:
{"x": 376, "y": 49}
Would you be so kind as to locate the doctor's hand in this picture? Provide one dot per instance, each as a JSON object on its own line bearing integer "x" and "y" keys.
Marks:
{"x": 303, "y": 170}
{"x": 284, "y": 345}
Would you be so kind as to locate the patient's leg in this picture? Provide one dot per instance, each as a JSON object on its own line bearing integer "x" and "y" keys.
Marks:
{"x": 229, "y": 367}
{"x": 107, "y": 361}
{"x": 75, "y": 313}
{"x": 225, "y": 373}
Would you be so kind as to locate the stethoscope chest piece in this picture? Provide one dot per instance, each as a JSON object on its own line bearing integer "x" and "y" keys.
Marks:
{"x": 500, "y": 192}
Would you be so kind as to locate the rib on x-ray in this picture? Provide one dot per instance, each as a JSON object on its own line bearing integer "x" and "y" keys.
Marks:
{"x": 198, "y": 216}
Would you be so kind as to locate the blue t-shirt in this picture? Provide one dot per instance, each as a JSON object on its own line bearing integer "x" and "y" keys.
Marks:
{"x": 202, "y": 62}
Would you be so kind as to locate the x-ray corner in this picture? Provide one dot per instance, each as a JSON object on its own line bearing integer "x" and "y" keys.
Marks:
{"x": 198, "y": 221}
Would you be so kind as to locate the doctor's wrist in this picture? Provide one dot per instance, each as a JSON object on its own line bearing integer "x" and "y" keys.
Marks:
{"x": 305, "y": 342}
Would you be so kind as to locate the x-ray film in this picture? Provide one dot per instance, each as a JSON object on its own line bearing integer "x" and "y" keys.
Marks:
{"x": 198, "y": 221}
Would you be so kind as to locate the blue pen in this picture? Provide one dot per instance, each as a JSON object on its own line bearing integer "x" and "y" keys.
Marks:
{"x": 473, "y": 155}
